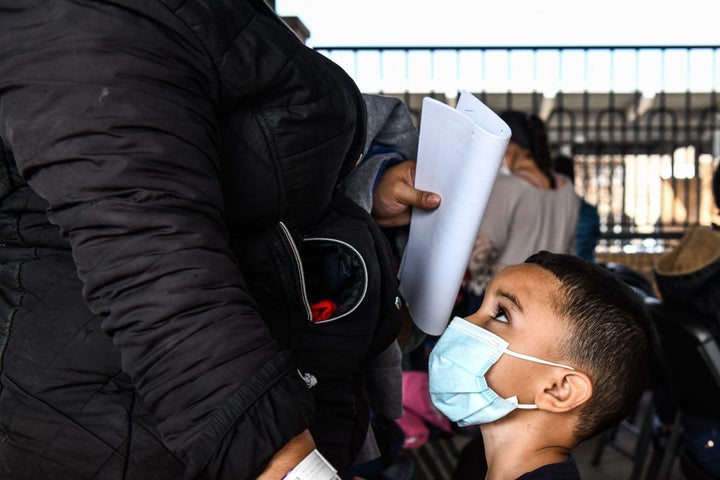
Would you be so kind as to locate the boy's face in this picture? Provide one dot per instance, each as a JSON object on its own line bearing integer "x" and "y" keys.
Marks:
{"x": 518, "y": 306}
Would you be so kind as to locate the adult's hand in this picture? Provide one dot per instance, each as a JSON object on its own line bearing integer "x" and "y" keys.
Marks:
{"x": 396, "y": 194}
{"x": 289, "y": 456}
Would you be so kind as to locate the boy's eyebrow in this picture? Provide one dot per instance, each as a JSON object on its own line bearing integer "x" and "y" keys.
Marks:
{"x": 512, "y": 298}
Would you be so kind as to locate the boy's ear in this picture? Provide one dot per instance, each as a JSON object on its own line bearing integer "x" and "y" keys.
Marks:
{"x": 564, "y": 391}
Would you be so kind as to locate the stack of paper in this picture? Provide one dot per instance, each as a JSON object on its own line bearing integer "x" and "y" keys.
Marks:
{"x": 459, "y": 155}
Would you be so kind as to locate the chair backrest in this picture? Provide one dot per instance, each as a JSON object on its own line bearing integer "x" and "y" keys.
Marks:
{"x": 690, "y": 357}
{"x": 632, "y": 277}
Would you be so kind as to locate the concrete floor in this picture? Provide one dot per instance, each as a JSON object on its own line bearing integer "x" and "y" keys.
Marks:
{"x": 613, "y": 464}
{"x": 615, "y": 461}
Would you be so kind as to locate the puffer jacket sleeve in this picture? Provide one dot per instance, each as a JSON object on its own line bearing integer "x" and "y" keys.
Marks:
{"x": 111, "y": 115}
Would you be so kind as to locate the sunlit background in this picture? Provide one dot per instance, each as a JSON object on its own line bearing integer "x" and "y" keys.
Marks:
{"x": 628, "y": 88}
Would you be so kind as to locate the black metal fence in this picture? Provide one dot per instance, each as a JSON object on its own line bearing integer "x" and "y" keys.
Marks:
{"x": 642, "y": 123}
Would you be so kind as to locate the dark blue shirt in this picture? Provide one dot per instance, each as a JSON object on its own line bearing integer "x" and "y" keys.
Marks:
{"x": 588, "y": 231}
{"x": 566, "y": 470}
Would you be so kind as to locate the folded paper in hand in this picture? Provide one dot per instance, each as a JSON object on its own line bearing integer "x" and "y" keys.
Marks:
{"x": 313, "y": 467}
{"x": 459, "y": 155}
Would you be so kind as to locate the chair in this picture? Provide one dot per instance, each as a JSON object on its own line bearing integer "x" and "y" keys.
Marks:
{"x": 639, "y": 424}
{"x": 690, "y": 359}
{"x": 634, "y": 279}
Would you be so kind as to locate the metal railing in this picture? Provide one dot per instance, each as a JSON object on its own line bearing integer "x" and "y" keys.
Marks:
{"x": 642, "y": 123}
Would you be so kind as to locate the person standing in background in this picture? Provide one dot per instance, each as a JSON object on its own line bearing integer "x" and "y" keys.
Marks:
{"x": 530, "y": 207}
{"x": 688, "y": 279}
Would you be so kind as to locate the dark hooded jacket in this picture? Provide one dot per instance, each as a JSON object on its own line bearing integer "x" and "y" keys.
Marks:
{"x": 169, "y": 212}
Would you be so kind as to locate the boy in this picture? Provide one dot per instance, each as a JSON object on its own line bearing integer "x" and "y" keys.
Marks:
{"x": 558, "y": 351}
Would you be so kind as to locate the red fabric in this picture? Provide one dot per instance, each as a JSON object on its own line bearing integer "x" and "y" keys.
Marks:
{"x": 323, "y": 310}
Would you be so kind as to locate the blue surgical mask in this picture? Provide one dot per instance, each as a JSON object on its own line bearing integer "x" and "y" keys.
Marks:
{"x": 458, "y": 364}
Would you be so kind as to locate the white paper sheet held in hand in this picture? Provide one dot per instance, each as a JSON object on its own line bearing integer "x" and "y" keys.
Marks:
{"x": 459, "y": 155}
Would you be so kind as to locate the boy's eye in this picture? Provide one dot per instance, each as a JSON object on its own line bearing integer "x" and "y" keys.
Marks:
{"x": 500, "y": 315}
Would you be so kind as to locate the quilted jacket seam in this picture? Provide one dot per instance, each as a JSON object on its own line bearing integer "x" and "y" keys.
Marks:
{"x": 225, "y": 418}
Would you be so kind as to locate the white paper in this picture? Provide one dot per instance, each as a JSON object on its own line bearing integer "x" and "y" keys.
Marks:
{"x": 459, "y": 155}
{"x": 313, "y": 467}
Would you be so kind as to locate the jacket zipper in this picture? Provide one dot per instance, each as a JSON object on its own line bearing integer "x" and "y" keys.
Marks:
{"x": 301, "y": 272}
{"x": 365, "y": 273}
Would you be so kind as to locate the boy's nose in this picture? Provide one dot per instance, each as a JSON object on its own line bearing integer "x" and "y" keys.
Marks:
{"x": 478, "y": 318}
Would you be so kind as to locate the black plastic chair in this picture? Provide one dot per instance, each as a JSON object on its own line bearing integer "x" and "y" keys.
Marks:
{"x": 636, "y": 280}
{"x": 639, "y": 424}
{"x": 690, "y": 359}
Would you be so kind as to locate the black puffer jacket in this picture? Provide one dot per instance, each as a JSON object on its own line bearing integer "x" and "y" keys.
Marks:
{"x": 166, "y": 164}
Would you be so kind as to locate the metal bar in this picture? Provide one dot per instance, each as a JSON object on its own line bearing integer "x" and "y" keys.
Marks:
{"x": 512, "y": 47}
{"x": 604, "y": 120}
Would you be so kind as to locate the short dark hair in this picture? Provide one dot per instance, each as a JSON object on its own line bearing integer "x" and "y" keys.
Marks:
{"x": 565, "y": 165}
{"x": 609, "y": 338}
{"x": 529, "y": 131}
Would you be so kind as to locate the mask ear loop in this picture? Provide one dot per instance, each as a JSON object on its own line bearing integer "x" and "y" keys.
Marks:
{"x": 523, "y": 406}
{"x": 536, "y": 360}
{"x": 530, "y": 406}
